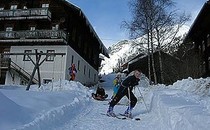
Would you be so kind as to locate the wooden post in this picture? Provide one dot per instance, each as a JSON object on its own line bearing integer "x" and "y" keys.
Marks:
{"x": 36, "y": 67}
{"x": 38, "y": 70}
{"x": 0, "y": 66}
{"x": 38, "y": 57}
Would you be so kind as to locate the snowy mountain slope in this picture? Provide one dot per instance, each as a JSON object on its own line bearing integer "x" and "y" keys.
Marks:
{"x": 125, "y": 50}
{"x": 120, "y": 52}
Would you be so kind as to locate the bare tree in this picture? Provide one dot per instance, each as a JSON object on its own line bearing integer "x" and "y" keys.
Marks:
{"x": 158, "y": 23}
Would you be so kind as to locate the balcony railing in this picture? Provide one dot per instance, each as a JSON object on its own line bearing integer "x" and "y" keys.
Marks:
{"x": 36, "y": 35}
{"x": 36, "y": 13}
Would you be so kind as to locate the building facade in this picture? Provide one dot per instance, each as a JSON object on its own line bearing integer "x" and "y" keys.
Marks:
{"x": 54, "y": 31}
{"x": 195, "y": 50}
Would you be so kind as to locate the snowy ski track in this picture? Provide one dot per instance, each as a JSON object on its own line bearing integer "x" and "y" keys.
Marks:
{"x": 160, "y": 111}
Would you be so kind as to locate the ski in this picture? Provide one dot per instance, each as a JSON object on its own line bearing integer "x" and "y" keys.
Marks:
{"x": 122, "y": 117}
{"x": 132, "y": 118}
{"x": 117, "y": 117}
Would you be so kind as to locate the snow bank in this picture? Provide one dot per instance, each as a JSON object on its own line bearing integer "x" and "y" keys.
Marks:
{"x": 55, "y": 116}
{"x": 8, "y": 114}
{"x": 42, "y": 108}
{"x": 174, "y": 110}
{"x": 196, "y": 86}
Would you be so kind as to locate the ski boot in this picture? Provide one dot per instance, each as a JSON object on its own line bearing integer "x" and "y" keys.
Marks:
{"x": 128, "y": 113}
{"x": 110, "y": 112}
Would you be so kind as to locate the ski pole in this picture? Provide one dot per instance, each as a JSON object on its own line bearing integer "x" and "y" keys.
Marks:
{"x": 129, "y": 96}
{"x": 143, "y": 100}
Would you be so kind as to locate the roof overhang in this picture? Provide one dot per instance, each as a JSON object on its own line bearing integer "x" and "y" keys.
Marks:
{"x": 101, "y": 48}
{"x": 200, "y": 27}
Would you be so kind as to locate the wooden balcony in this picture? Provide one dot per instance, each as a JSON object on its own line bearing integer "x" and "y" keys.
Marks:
{"x": 34, "y": 36}
{"x": 22, "y": 14}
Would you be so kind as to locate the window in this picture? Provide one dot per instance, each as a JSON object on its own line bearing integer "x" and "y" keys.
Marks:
{"x": 5, "y": 52}
{"x": 78, "y": 65}
{"x": 9, "y": 33}
{"x": 46, "y": 81}
{"x": 84, "y": 69}
{"x": 9, "y": 29}
{"x": 55, "y": 27}
{"x": 25, "y": 7}
{"x": 23, "y": 82}
{"x": 89, "y": 73}
{"x": 50, "y": 57}
{"x": 45, "y": 5}
{"x": 72, "y": 59}
{"x": 94, "y": 77}
{"x": 13, "y": 7}
{"x": 25, "y": 57}
{"x": 32, "y": 28}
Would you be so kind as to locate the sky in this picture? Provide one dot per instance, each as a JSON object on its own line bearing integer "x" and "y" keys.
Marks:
{"x": 106, "y": 16}
{"x": 68, "y": 105}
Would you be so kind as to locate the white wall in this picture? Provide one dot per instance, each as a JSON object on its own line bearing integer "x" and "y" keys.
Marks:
{"x": 54, "y": 70}
{"x": 83, "y": 78}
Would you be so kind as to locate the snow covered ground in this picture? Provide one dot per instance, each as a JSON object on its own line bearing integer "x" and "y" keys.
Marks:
{"x": 65, "y": 105}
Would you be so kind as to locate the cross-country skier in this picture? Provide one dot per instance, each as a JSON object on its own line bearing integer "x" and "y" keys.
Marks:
{"x": 125, "y": 89}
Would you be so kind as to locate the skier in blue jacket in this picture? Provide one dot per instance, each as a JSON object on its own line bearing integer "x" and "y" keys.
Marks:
{"x": 116, "y": 82}
{"x": 125, "y": 89}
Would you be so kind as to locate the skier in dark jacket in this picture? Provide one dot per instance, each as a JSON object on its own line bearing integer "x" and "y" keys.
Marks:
{"x": 125, "y": 89}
